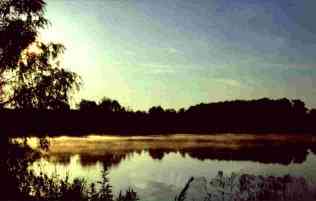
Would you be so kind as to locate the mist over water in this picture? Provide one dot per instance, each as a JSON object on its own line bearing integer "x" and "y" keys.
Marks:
{"x": 155, "y": 164}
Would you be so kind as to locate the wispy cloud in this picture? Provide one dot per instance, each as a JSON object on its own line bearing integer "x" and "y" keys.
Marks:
{"x": 162, "y": 71}
{"x": 171, "y": 50}
{"x": 148, "y": 68}
{"x": 155, "y": 68}
{"x": 228, "y": 82}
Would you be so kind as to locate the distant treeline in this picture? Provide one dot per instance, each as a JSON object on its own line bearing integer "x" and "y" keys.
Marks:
{"x": 108, "y": 116}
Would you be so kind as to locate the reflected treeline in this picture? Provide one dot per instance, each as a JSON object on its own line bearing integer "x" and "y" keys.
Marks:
{"x": 272, "y": 154}
{"x": 108, "y": 116}
{"x": 108, "y": 160}
{"x": 276, "y": 155}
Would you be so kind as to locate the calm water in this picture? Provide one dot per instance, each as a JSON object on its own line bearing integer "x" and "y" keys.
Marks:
{"x": 155, "y": 164}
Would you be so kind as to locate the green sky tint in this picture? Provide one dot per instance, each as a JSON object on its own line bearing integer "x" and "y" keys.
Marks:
{"x": 180, "y": 53}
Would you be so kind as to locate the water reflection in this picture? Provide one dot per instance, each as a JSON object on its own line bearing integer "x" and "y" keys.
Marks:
{"x": 149, "y": 165}
{"x": 110, "y": 151}
{"x": 163, "y": 179}
{"x": 274, "y": 155}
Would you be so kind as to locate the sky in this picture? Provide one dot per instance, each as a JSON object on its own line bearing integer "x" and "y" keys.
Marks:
{"x": 177, "y": 53}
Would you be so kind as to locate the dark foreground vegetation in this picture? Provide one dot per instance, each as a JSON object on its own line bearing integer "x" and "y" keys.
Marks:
{"x": 240, "y": 116}
{"x": 19, "y": 183}
{"x": 247, "y": 187}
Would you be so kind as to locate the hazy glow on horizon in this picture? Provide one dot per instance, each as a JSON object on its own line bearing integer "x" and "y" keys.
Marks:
{"x": 177, "y": 53}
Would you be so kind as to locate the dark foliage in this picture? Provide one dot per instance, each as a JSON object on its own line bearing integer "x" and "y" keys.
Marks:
{"x": 108, "y": 116}
{"x": 30, "y": 73}
{"x": 20, "y": 21}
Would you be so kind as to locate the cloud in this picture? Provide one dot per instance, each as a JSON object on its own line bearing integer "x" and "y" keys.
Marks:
{"x": 162, "y": 71}
{"x": 228, "y": 82}
{"x": 154, "y": 68}
{"x": 130, "y": 52}
{"x": 148, "y": 68}
{"x": 172, "y": 50}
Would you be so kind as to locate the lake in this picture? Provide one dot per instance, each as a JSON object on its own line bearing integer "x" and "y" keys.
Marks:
{"x": 157, "y": 167}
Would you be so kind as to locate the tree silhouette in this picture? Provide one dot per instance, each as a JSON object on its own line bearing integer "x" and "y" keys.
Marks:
{"x": 20, "y": 21}
{"x": 109, "y": 105}
{"x": 28, "y": 80}
{"x": 87, "y": 105}
{"x": 40, "y": 83}
{"x": 156, "y": 110}
{"x": 31, "y": 79}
